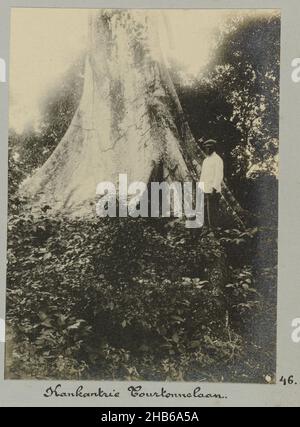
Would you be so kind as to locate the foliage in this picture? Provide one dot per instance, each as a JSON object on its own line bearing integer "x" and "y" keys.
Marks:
{"x": 130, "y": 299}
{"x": 15, "y": 176}
{"x": 236, "y": 101}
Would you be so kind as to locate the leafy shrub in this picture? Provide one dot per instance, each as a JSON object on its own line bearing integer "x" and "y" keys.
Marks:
{"x": 126, "y": 299}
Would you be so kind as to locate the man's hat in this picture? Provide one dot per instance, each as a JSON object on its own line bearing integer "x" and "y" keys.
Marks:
{"x": 209, "y": 143}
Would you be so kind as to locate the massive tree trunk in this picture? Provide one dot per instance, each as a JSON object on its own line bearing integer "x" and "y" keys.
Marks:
{"x": 129, "y": 119}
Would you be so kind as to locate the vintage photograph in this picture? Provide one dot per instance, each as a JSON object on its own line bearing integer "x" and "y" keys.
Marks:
{"x": 143, "y": 195}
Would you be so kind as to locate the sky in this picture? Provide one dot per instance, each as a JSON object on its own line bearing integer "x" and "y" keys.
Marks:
{"x": 45, "y": 42}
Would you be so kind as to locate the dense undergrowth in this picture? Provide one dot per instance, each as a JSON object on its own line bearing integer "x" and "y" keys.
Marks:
{"x": 139, "y": 299}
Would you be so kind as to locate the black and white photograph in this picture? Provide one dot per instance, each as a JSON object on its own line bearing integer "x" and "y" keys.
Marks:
{"x": 142, "y": 237}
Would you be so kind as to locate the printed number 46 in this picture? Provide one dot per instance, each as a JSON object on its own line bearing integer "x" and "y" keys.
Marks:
{"x": 288, "y": 381}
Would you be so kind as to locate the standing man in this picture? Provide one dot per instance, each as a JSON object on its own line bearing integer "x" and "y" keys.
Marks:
{"x": 212, "y": 175}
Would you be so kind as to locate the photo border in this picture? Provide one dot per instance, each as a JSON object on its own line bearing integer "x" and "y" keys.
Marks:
{"x": 31, "y": 393}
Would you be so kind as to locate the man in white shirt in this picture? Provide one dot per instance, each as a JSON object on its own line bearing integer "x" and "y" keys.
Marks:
{"x": 212, "y": 175}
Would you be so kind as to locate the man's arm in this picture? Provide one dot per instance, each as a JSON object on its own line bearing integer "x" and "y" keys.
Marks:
{"x": 219, "y": 174}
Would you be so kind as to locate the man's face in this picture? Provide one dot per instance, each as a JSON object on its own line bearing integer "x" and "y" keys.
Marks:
{"x": 209, "y": 150}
